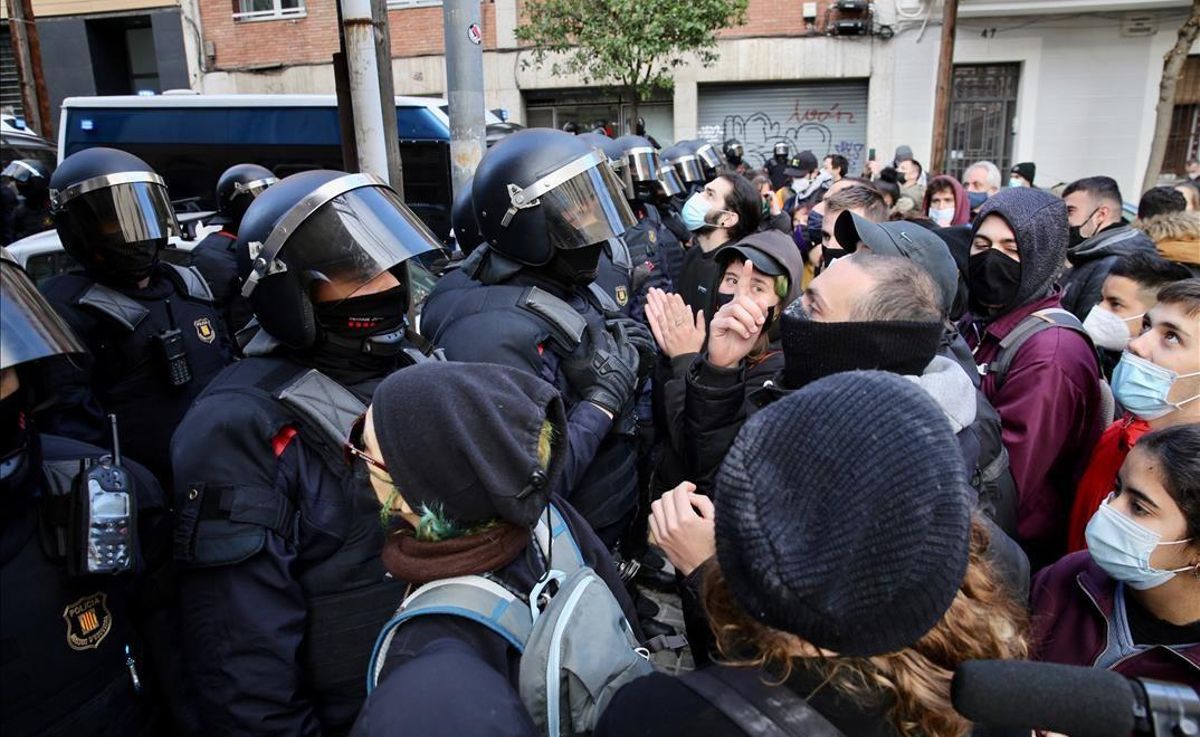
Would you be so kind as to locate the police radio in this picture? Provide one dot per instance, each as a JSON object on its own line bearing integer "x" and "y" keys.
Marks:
{"x": 107, "y": 514}
{"x": 173, "y": 352}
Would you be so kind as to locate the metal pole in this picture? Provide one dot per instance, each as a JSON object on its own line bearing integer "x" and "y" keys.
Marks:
{"x": 464, "y": 87}
{"x": 387, "y": 95}
{"x": 941, "y": 101}
{"x": 370, "y": 140}
{"x": 28, "y": 48}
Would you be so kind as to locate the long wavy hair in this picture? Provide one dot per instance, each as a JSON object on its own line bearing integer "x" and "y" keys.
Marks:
{"x": 983, "y": 621}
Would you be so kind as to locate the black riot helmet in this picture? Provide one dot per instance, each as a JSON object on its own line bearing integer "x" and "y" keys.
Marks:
{"x": 734, "y": 151}
{"x": 462, "y": 219}
{"x": 640, "y": 166}
{"x": 32, "y": 178}
{"x": 782, "y": 151}
{"x": 30, "y": 329}
{"x": 340, "y": 229}
{"x": 236, "y": 189}
{"x": 540, "y": 191}
{"x": 112, "y": 213}
{"x": 615, "y": 153}
{"x": 707, "y": 155}
{"x": 687, "y": 164}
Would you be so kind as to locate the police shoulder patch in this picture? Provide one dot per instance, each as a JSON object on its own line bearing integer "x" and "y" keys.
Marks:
{"x": 622, "y": 295}
{"x": 204, "y": 330}
{"x": 652, "y": 236}
{"x": 88, "y": 621}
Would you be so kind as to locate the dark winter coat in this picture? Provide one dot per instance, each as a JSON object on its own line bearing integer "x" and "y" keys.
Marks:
{"x": 1091, "y": 261}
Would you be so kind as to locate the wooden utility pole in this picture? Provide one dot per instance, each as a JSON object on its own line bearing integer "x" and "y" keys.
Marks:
{"x": 945, "y": 78}
{"x": 1173, "y": 63}
{"x": 28, "y": 52}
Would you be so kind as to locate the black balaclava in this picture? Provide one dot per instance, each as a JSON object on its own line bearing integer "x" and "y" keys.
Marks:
{"x": 575, "y": 266}
{"x": 20, "y": 449}
{"x": 363, "y": 337}
{"x": 1039, "y": 221}
{"x": 994, "y": 279}
{"x": 813, "y": 350}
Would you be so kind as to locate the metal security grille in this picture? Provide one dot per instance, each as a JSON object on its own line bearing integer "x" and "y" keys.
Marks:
{"x": 823, "y": 117}
{"x": 983, "y": 104}
{"x": 10, "y": 85}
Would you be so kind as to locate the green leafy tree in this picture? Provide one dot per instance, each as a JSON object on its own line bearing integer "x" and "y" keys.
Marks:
{"x": 630, "y": 44}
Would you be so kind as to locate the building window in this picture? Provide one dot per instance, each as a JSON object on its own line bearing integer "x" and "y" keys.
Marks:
{"x": 267, "y": 9}
{"x": 402, "y": 4}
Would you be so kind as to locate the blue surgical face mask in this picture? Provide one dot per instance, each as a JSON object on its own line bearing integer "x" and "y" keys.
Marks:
{"x": 1142, "y": 387}
{"x": 943, "y": 216}
{"x": 1014, "y": 182}
{"x": 1122, "y": 548}
{"x": 976, "y": 199}
{"x": 695, "y": 213}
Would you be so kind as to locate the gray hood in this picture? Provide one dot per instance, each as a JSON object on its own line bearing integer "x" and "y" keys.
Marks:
{"x": 945, "y": 381}
{"x": 1039, "y": 220}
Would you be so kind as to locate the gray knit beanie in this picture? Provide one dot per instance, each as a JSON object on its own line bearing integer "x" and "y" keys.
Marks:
{"x": 1039, "y": 221}
{"x": 843, "y": 514}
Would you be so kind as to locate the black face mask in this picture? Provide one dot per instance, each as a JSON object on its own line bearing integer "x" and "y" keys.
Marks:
{"x": 360, "y": 317}
{"x": 813, "y": 350}
{"x": 18, "y": 445}
{"x": 577, "y": 266}
{"x": 1075, "y": 233}
{"x": 994, "y": 280}
{"x": 720, "y": 299}
{"x": 361, "y": 337}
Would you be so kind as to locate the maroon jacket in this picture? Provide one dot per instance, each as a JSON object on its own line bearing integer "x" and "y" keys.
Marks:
{"x": 1050, "y": 414}
{"x": 1072, "y": 602}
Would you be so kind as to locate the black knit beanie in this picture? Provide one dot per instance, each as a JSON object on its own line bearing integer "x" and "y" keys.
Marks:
{"x": 465, "y": 436}
{"x": 813, "y": 350}
{"x": 843, "y": 514}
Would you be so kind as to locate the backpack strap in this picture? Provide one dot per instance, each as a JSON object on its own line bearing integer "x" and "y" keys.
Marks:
{"x": 192, "y": 281}
{"x": 556, "y": 542}
{"x": 566, "y": 324}
{"x": 475, "y": 598}
{"x": 758, "y": 709}
{"x": 1031, "y": 325}
{"x": 125, "y": 311}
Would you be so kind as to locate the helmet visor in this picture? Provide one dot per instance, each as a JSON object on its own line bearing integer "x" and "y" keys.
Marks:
{"x": 588, "y": 208}
{"x": 708, "y": 156}
{"x": 19, "y": 171}
{"x": 113, "y": 218}
{"x": 643, "y": 164}
{"x": 29, "y": 327}
{"x": 668, "y": 178}
{"x": 689, "y": 169}
{"x": 354, "y": 237}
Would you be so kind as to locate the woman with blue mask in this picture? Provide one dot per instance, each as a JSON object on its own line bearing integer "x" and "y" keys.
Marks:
{"x": 1131, "y": 601}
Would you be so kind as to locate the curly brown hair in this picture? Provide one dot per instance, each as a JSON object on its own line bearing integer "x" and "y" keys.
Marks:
{"x": 983, "y": 621}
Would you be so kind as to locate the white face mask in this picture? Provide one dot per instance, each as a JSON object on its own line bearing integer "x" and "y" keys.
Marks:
{"x": 943, "y": 216}
{"x": 1109, "y": 330}
{"x": 1014, "y": 182}
{"x": 1122, "y": 548}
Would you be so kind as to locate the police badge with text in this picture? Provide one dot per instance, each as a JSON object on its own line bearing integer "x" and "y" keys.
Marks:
{"x": 88, "y": 621}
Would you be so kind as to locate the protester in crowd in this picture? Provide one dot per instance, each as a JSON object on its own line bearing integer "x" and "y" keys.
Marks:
{"x": 1129, "y": 292}
{"x": 981, "y": 180}
{"x": 1176, "y": 236}
{"x": 837, "y": 166}
{"x": 1049, "y": 396}
{"x": 1099, "y": 234}
{"x": 808, "y": 180}
{"x": 1160, "y": 201}
{"x": 216, "y": 255}
{"x": 727, "y": 209}
{"x": 1191, "y": 192}
{"x": 1021, "y": 175}
{"x": 912, "y": 184}
{"x": 888, "y": 184}
{"x": 860, "y": 199}
{"x": 1131, "y": 601}
{"x": 946, "y": 202}
{"x": 500, "y": 435}
{"x": 764, "y": 268}
{"x": 1157, "y": 381}
{"x": 774, "y": 217}
{"x": 864, "y": 630}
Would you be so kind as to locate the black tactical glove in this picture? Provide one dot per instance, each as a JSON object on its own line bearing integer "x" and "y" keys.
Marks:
{"x": 627, "y": 330}
{"x": 607, "y": 375}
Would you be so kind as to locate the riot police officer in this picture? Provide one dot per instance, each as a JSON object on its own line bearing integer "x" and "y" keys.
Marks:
{"x": 32, "y": 180}
{"x": 778, "y": 164}
{"x": 546, "y": 203}
{"x": 707, "y": 155}
{"x": 683, "y": 158}
{"x": 215, "y": 255}
{"x": 653, "y": 247}
{"x": 735, "y": 154}
{"x": 154, "y": 335}
{"x": 282, "y": 588}
{"x": 82, "y": 561}
{"x": 462, "y": 220}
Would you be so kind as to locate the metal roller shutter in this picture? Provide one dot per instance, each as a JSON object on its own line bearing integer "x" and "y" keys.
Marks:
{"x": 10, "y": 86}
{"x": 822, "y": 117}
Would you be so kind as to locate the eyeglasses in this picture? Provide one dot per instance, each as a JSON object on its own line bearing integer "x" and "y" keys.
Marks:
{"x": 352, "y": 446}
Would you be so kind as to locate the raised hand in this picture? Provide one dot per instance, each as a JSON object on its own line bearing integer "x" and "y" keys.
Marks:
{"x": 675, "y": 329}
{"x": 737, "y": 326}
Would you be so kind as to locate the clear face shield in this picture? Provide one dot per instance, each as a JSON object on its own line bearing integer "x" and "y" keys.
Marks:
{"x": 19, "y": 171}
{"x": 30, "y": 329}
{"x": 708, "y": 156}
{"x": 343, "y": 235}
{"x": 583, "y": 203}
{"x": 118, "y": 212}
{"x": 642, "y": 164}
{"x": 689, "y": 169}
{"x": 669, "y": 181}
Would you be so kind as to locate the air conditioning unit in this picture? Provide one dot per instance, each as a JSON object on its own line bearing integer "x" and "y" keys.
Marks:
{"x": 853, "y": 6}
{"x": 849, "y": 27}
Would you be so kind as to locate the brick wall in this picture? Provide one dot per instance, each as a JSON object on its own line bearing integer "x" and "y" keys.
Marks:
{"x": 313, "y": 39}
{"x": 778, "y": 18}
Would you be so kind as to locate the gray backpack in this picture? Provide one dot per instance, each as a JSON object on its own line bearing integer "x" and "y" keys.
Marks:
{"x": 577, "y": 649}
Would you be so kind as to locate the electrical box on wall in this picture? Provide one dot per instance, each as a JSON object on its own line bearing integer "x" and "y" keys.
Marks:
{"x": 810, "y": 12}
{"x": 853, "y": 6}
